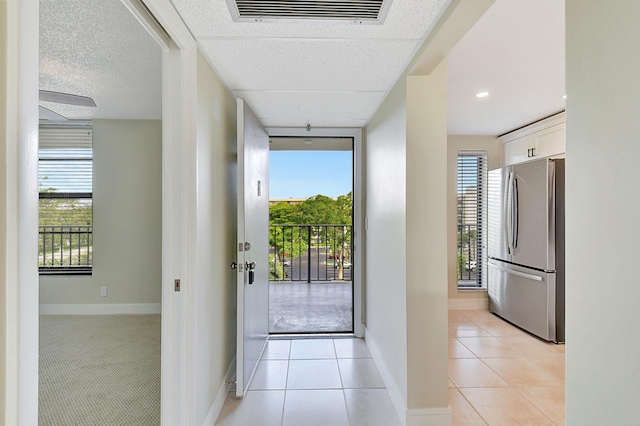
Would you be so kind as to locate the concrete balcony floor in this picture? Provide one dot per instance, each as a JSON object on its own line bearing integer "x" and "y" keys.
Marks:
{"x": 323, "y": 307}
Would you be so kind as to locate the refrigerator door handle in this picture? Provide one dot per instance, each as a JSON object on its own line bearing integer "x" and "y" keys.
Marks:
{"x": 518, "y": 273}
{"x": 516, "y": 213}
{"x": 511, "y": 213}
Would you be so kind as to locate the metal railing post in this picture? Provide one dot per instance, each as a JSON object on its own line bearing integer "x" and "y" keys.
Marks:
{"x": 309, "y": 254}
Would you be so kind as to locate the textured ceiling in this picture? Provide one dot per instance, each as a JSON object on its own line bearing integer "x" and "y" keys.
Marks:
{"x": 329, "y": 74}
{"x": 96, "y": 48}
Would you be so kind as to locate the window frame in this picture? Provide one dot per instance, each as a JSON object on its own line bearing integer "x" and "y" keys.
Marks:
{"x": 59, "y": 136}
{"x": 472, "y": 204}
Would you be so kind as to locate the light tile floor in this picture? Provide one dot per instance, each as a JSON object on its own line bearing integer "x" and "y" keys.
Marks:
{"x": 313, "y": 382}
{"x": 500, "y": 375}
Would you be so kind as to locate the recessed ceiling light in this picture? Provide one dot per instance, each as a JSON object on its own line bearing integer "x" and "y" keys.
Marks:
{"x": 564, "y": 96}
{"x": 482, "y": 94}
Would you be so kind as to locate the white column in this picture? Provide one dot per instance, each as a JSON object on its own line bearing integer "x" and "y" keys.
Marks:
{"x": 427, "y": 363}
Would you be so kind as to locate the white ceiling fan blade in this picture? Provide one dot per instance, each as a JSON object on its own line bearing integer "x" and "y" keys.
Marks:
{"x": 66, "y": 98}
{"x": 47, "y": 114}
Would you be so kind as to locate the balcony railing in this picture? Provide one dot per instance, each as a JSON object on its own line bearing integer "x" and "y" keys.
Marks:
{"x": 310, "y": 253}
{"x": 468, "y": 257}
{"x": 65, "y": 249}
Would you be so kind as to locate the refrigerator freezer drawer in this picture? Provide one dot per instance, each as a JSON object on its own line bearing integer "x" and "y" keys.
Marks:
{"x": 524, "y": 297}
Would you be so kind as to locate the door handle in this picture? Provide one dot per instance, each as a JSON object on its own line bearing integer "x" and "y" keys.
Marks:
{"x": 251, "y": 266}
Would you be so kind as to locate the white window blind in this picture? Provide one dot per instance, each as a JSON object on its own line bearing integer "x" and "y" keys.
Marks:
{"x": 471, "y": 194}
{"x": 66, "y": 159}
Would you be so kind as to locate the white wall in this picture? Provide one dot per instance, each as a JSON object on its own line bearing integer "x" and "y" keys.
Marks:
{"x": 406, "y": 286}
{"x": 492, "y": 145}
{"x": 385, "y": 209}
{"x": 3, "y": 205}
{"x": 602, "y": 204}
{"x": 406, "y": 209}
{"x": 216, "y": 224}
{"x": 127, "y": 219}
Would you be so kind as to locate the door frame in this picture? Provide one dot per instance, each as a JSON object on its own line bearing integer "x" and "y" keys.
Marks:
{"x": 21, "y": 220}
{"x": 358, "y": 191}
{"x": 179, "y": 103}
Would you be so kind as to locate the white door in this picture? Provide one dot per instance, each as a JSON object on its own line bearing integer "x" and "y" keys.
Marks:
{"x": 253, "y": 245}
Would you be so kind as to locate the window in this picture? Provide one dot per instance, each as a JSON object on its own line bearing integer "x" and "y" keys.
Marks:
{"x": 65, "y": 179}
{"x": 472, "y": 178}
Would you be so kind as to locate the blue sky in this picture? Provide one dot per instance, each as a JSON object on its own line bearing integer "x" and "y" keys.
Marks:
{"x": 302, "y": 174}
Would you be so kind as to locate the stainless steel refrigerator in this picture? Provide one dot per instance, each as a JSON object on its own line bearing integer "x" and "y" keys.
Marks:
{"x": 526, "y": 246}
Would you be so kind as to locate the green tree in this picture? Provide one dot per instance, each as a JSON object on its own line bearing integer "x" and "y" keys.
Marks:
{"x": 285, "y": 240}
{"x": 344, "y": 205}
{"x": 467, "y": 243}
{"x": 64, "y": 246}
{"x": 283, "y": 213}
{"x": 316, "y": 212}
{"x": 337, "y": 238}
{"x": 319, "y": 209}
{"x": 462, "y": 262}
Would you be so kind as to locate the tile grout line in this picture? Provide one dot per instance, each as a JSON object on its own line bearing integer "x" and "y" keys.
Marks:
{"x": 344, "y": 395}
{"x": 519, "y": 389}
{"x": 473, "y": 407}
{"x": 286, "y": 383}
{"x": 531, "y": 401}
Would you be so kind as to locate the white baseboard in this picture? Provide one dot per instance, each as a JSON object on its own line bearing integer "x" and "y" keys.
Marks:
{"x": 408, "y": 417}
{"x": 469, "y": 304}
{"x": 430, "y": 417}
{"x": 101, "y": 309}
{"x": 221, "y": 396}
{"x": 395, "y": 395}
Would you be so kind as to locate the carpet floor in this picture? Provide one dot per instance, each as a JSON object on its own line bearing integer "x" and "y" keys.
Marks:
{"x": 99, "y": 370}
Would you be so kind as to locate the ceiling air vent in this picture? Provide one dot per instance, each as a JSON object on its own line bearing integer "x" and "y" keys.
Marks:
{"x": 358, "y": 11}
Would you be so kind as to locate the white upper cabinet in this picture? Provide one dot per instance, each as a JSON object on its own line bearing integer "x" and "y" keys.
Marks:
{"x": 545, "y": 138}
{"x": 550, "y": 141}
{"x": 518, "y": 150}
